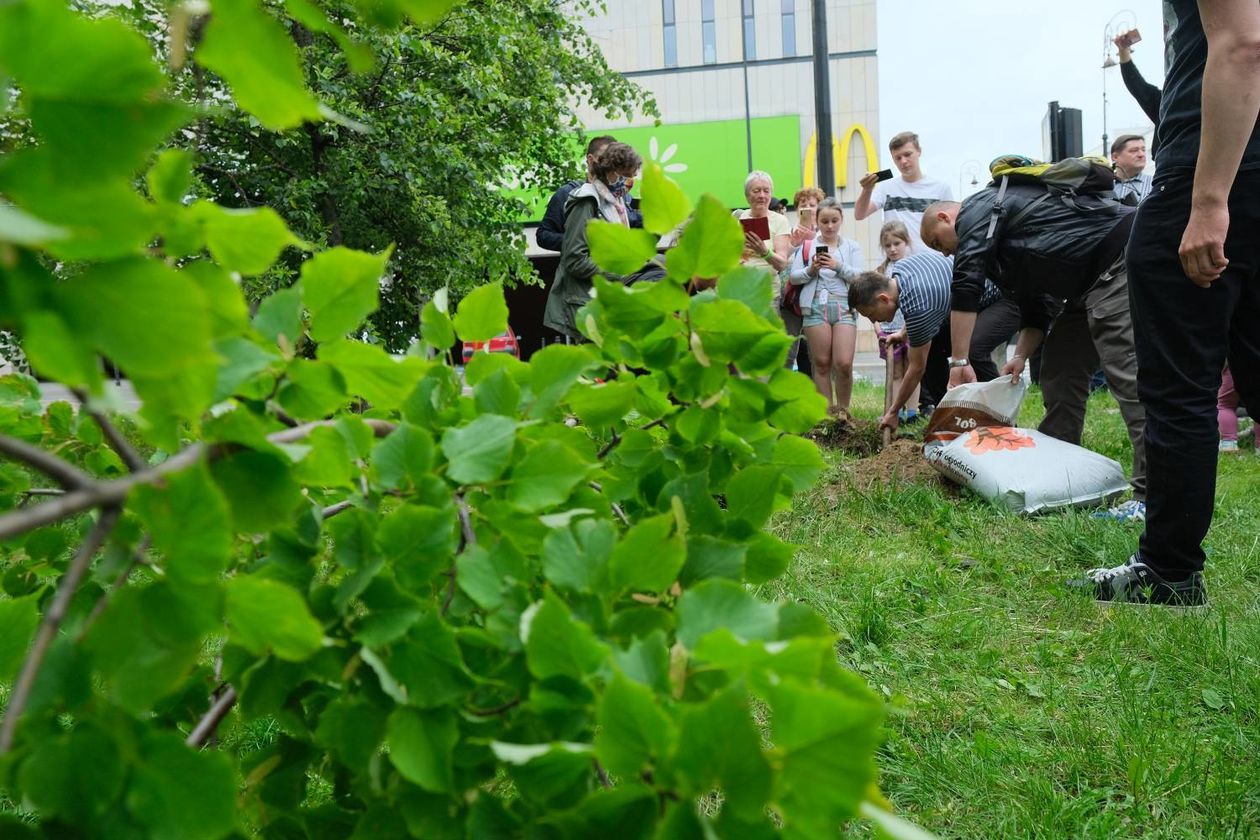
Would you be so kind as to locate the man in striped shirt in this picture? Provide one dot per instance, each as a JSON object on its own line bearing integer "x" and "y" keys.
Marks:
{"x": 920, "y": 287}
{"x": 1128, "y": 158}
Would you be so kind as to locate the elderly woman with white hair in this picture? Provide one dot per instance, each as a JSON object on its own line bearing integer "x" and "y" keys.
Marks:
{"x": 773, "y": 252}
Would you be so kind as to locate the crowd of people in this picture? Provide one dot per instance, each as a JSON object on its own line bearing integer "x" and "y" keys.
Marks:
{"x": 1151, "y": 281}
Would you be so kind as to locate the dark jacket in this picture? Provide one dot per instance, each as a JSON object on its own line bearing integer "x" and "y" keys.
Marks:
{"x": 571, "y": 289}
{"x": 550, "y": 233}
{"x": 1144, "y": 93}
{"x": 1052, "y": 251}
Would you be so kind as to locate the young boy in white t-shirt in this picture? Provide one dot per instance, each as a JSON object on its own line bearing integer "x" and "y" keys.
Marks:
{"x": 903, "y": 199}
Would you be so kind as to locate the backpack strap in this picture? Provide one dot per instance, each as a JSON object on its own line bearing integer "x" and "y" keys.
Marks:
{"x": 997, "y": 207}
{"x": 806, "y": 247}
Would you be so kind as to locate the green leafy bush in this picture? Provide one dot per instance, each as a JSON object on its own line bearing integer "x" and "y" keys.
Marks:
{"x": 322, "y": 591}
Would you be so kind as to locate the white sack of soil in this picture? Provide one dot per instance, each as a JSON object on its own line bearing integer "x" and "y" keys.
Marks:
{"x": 972, "y": 440}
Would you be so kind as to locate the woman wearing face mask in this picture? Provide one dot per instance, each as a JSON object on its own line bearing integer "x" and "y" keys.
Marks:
{"x": 830, "y": 324}
{"x": 603, "y": 197}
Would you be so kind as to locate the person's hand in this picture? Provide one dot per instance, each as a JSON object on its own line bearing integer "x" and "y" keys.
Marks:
{"x": 961, "y": 376}
{"x": 800, "y": 234}
{"x": 898, "y": 337}
{"x": 753, "y": 245}
{"x": 827, "y": 261}
{"x": 1014, "y": 368}
{"x": 869, "y": 180}
{"x": 1124, "y": 43}
{"x": 1202, "y": 248}
{"x": 890, "y": 421}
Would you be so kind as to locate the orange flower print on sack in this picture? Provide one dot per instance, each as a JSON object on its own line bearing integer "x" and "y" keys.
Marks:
{"x": 996, "y": 438}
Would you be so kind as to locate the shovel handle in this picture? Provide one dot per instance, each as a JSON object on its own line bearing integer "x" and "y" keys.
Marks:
{"x": 888, "y": 390}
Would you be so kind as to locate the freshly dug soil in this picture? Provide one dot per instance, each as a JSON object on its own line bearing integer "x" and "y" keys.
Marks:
{"x": 856, "y": 437}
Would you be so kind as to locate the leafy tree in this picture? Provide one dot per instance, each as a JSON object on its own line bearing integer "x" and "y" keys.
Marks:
{"x": 321, "y": 591}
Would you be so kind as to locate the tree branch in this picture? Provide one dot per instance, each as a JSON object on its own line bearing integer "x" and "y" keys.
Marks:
{"x": 105, "y": 493}
{"x": 63, "y": 472}
{"x": 616, "y": 439}
{"x": 56, "y": 613}
{"x": 115, "y": 438}
{"x": 334, "y": 509}
{"x": 210, "y": 721}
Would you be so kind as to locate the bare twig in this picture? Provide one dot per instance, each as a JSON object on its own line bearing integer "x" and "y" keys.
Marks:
{"x": 105, "y": 493}
{"x": 603, "y": 775}
{"x": 44, "y": 491}
{"x": 334, "y": 509}
{"x": 63, "y": 472}
{"x": 616, "y": 439}
{"x": 115, "y": 438}
{"x": 210, "y": 721}
{"x": 467, "y": 537}
{"x": 56, "y": 613}
{"x": 496, "y": 710}
{"x": 608, "y": 447}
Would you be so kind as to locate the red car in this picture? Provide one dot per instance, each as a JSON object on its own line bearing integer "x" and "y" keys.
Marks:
{"x": 502, "y": 343}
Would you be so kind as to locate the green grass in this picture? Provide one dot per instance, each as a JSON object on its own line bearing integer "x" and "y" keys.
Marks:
{"x": 1016, "y": 707}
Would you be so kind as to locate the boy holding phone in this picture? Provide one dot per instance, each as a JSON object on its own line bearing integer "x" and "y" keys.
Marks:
{"x": 905, "y": 197}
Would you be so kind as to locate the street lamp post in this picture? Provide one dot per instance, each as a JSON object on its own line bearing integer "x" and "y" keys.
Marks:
{"x": 1121, "y": 21}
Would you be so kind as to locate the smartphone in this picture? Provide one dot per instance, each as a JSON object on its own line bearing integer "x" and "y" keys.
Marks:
{"x": 806, "y": 215}
{"x": 883, "y": 175}
{"x": 1133, "y": 36}
{"x": 821, "y": 249}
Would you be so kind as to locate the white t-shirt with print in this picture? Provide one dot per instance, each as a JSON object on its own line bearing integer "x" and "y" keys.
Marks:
{"x": 904, "y": 201}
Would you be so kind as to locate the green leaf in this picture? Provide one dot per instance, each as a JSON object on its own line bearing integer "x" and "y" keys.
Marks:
{"x": 892, "y": 826}
{"x": 553, "y": 370}
{"x": 421, "y": 746}
{"x": 327, "y": 462}
{"x": 604, "y": 404}
{"x": 419, "y": 540}
{"x": 259, "y": 489}
{"x": 245, "y": 241}
{"x": 577, "y": 557}
{"x": 750, "y": 494}
{"x": 279, "y": 318}
{"x": 190, "y": 523}
{"x": 824, "y": 734}
{"x": 176, "y": 332}
{"x": 21, "y": 228}
{"x": 710, "y": 246}
{"x": 352, "y": 729}
{"x": 170, "y": 177}
{"x": 313, "y": 391}
{"x": 498, "y": 393}
{"x": 480, "y": 451}
{"x": 639, "y": 310}
{"x": 718, "y": 745}
{"x": 18, "y": 619}
{"x": 340, "y": 288}
{"x": 546, "y": 476}
{"x": 92, "y": 140}
{"x": 75, "y": 777}
{"x": 436, "y": 327}
{"x": 229, "y": 314}
{"x": 619, "y": 249}
{"x": 649, "y": 556}
{"x": 373, "y": 374}
{"x": 482, "y": 314}
{"x": 800, "y": 461}
{"x": 722, "y": 604}
{"x": 404, "y": 457}
{"x": 710, "y": 557}
{"x": 266, "y": 79}
{"x": 428, "y": 663}
{"x": 553, "y": 776}
{"x": 267, "y": 616}
{"x": 768, "y": 557}
{"x": 634, "y": 733}
{"x": 558, "y": 646}
{"x": 749, "y": 286}
{"x": 182, "y": 794}
{"x": 665, "y": 206}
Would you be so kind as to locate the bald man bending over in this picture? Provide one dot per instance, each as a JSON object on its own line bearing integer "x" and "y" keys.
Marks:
{"x": 1043, "y": 250}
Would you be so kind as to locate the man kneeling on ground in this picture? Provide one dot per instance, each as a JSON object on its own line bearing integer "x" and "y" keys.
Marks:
{"x": 919, "y": 286}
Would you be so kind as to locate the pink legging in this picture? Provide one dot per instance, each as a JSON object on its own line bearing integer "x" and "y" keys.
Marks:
{"x": 1227, "y": 407}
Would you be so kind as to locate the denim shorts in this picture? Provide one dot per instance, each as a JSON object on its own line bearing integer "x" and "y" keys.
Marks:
{"x": 830, "y": 313}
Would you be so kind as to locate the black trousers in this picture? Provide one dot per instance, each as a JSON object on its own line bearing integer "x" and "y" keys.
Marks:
{"x": 995, "y": 324}
{"x": 1184, "y": 334}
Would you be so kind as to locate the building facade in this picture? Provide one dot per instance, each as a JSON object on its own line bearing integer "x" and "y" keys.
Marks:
{"x": 734, "y": 83}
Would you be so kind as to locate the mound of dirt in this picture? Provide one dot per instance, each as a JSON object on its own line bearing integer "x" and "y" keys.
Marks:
{"x": 856, "y": 437}
{"x": 902, "y": 462}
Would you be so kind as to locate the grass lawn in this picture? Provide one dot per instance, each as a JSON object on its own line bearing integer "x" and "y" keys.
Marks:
{"x": 1018, "y": 708}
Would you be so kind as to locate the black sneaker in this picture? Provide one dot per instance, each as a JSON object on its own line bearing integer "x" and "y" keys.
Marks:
{"x": 1137, "y": 583}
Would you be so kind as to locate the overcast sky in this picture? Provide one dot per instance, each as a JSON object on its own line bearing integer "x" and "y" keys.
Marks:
{"x": 973, "y": 77}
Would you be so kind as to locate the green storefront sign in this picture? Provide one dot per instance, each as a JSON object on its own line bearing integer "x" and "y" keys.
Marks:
{"x": 711, "y": 157}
